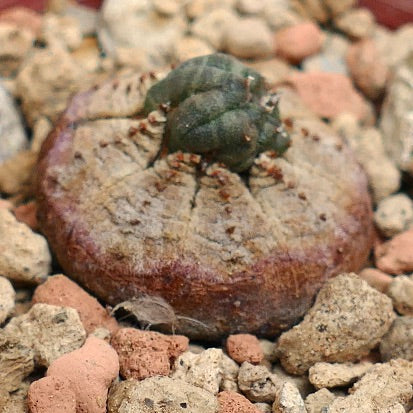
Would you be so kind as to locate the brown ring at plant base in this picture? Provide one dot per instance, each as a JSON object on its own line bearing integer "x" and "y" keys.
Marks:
{"x": 237, "y": 254}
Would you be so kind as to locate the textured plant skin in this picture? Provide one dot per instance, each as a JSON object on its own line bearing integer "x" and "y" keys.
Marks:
{"x": 219, "y": 108}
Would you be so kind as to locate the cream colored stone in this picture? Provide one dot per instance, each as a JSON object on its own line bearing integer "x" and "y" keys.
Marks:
{"x": 24, "y": 255}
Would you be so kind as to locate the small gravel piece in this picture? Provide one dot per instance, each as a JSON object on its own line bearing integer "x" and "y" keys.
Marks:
{"x": 212, "y": 26}
{"x": 336, "y": 374}
{"x": 295, "y": 43}
{"x": 383, "y": 175}
{"x": 15, "y": 402}
{"x": 367, "y": 68}
{"x": 231, "y": 402}
{"x": 189, "y": 47}
{"x": 49, "y": 330}
{"x": 376, "y": 279}
{"x": 249, "y": 38}
{"x": 24, "y": 255}
{"x": 346, "y": 322}
{"x": 51, "y": 395}
{"x": 61, "y": 291}
{"x": 258, "y": 383}
{"x": 396, "y": 255}
{"x": 401, "y": 292}
{"x": 382, "y": 387}
{"x": 12, "y": 135}
{"x": 90, "y": 371}
{"x": 16, "y": 174}
{"x": 16, "y": 362}
{"x": 145, "y": 354}
{"x": 394, "y": 214}
{"x": 301, "y": 382}
{"x": 244, "y": 347}
{"x": 329, "y": 94}
{"x": 211, "y": 370}
{"x": 319, "y": 401}
{"x": 398, "y": 341}
{"x": 396, "y": 122}
{"x": 269, "y": 350}
{"x": 288, "y": 400}
{"x": 160, "y": 394}
{"x": 7, "y": 299}
{"x": 263, "y": 407}
{"x": 356, "y": 23}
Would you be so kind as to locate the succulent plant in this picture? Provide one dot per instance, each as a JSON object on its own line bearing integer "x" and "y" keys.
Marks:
{"x": 221, "y": 109}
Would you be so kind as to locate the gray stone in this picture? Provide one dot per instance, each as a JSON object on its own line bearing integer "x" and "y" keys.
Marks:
{"x": 258, "y": 383}
{"x": 394, "y": 214}
{"x": 160, "y": 394}
{"x": 347, "y": 320}
{"x": 49, "y": 330}
{"x": 138, "y": 25}
{"x": 7, "y": 299}
{"x": 398, "y": 341}
{"x": 336, "y": 374}
{"x": 397, "y": 117}
{"x": 24, "y": 255}
{"x": 16, "y": 362}
{"x": 12, "y": 135}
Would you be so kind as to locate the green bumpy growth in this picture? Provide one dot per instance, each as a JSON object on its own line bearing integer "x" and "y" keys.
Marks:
{"x": 219, "y": 108}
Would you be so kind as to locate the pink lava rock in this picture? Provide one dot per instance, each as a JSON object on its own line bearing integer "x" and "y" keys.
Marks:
{"x": 22, "y": 17}
{"x": 231, "y": 402}
{"x": 90, "y": 371}
{"x": 145, "y": 354}
{"x": 51, "y": 395}
{"x": 60, "y": 290}
{"x": 396, "y": 256}
{"x": 367, "y": 68}
{"x": 26, "y": 213}
{"x": 299, "y": 41}
{"x": 244, "y": 347}
{"x": 376, "y": 278}
{"x": 329, "y": 94}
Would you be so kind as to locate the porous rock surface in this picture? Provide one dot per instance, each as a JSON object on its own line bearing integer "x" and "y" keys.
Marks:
{"x": 61, "y": 291}
{"x": 231, "y": 402}
{"x": 398, "y": 341}
{"x": 16, "y": 362}
{"x": 51, "y": 395}
{"x": 347, "y": 320}
{"x": 90, "y": 371}
{"x": 327, "y": 375}
{"x": 244, "y": 347}
{"x": 145, "y": 354}
{"x": 7, "y": 297}
{"x": 401, "y": 292}
{"x": 385, "y": 386}
{"x": 258, "y": 383}
{"x": 396, "y": 255}
{"x": 149, "y": 395}
{"x": 396, "y": 120}
{"x": 319, "y": 401}
{"x": 394, "y": 214}
{"x": 49, "y": 330}
{"x": 24, "y": 255}
{"x": 12, "y": 135}
{"x": 100, "y": 186}
{"x": 288, "y": 400}
{"x": 211, "y": 370}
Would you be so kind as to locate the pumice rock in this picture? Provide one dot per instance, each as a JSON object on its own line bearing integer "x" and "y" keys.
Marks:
{"x": 229, "y": 252}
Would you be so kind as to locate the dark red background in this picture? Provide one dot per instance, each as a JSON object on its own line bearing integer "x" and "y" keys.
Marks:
{"x": 391, "y": 13}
